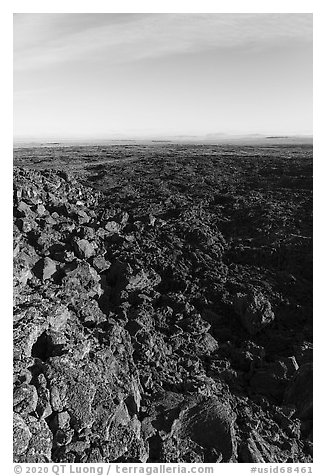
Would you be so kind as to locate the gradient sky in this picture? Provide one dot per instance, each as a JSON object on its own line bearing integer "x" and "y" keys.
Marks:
{"x": 102, "y": 75}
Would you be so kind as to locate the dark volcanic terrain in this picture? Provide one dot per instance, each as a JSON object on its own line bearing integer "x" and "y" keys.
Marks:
{"x": 163, "y": 303}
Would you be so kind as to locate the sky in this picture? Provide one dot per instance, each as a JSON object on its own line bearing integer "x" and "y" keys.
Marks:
{"x": 145, "y": 75}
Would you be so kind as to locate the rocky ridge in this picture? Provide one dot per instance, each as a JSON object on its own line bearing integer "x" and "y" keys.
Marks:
{"x": 131, "y": 345}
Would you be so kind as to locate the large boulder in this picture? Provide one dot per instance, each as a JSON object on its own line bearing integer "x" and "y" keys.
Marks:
{"x": 254, "y": 310}
{"x": 207, "y": 425}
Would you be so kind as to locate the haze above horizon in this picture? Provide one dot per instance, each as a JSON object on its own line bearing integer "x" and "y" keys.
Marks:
{"x": 161, "y": 75}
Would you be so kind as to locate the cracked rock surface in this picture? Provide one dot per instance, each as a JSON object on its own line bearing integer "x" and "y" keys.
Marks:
{"x": 176, "y": 329}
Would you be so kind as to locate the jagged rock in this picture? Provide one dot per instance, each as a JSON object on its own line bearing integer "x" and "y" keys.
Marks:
{"x": 194, "y": 324}
{"x": 143, "y": 280}
{"x": 26, "y": 225}
{"x": 304, "y": 353}
{"x": 206, "y": 344}
{"x": 32, "y": 440}
{"x": 40, "y": 444}
{"x": 62, "y": 420}
{"x": 71, "y": 389}
{"x": 23, "y": 210}
{"x": 257, "y": 449}
{"x": 84, "y": 249}
{"x": 89, "y": 312}
{"x": 209, "y": 424}
{"x": 81, "y": 280}
{"x": 43, "y": 408}
{"x": 51, "y": 220}
{"x": 273, "y": 379}
{"x": 82, "y": 216}
{"x": 41, "y": 210}
{"x": 88, "y": 232}
{"x": 45, "y": 268}
{"x": 23, "y": 263}
{"x": 249, "y": 452}
{"x": 25, "y": 399}
{"x": 64, "y": 438}
{"x": 299, "y": 391}
{"x": 100, "y": 264}
{"x": 58, "y": 318}
{"x": 21, "y": 435}
{"x": 33, "y": 323}
{"x": 254, "y": 310}
{"x": 112, "y": 227}
{"x": 291, "y": 426}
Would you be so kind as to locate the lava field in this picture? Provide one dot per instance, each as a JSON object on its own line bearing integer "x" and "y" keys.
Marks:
{"x": 163, "y": 303}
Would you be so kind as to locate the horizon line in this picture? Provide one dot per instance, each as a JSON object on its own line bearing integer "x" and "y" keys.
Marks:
{"x": 121, "y": 136}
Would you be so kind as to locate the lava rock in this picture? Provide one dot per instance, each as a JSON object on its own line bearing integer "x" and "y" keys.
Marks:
{"x": 58, "y": 318}
{"x": 40, "y": 444}
{"x": 254, "y": 310}
{"x": 206, "y": 344}
{"x": 41, "y": 210}
{"x": 143, "y": 280}
{"x": 194, "y": 324}
{"x": 45, "y": 268}
{"x": 23, "y": 210}
{"x": 209, "y": 424}
{"x": 100, "y": 264}
{"x": 125, "y": 343}
{"x": 43, "y": 408}
{"x": 21, "y": 436}
{"x": 112, "y": 227}
{"x": 300, "y": 391}
{"x": 25, "y": 399}
{"x": 84, "y": 249}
